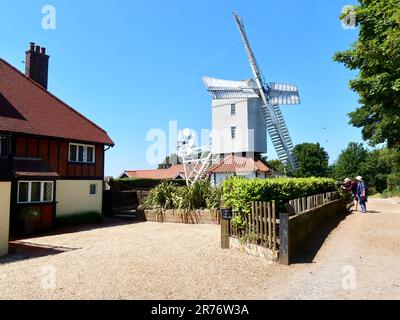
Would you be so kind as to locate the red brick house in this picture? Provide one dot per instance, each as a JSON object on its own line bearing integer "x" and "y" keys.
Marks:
{"x": 51, "y": 156}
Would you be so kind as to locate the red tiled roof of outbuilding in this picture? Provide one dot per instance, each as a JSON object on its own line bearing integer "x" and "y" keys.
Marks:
{"x": 177, "y": 170}
{"x": 233, "y": 163}
{"x": 26, "y": 107}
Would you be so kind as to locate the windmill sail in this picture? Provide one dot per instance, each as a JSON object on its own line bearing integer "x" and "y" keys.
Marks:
{"x": 279, "y": 135}
{"x": 271, "y": 97}
{"x": 281, "y": 94}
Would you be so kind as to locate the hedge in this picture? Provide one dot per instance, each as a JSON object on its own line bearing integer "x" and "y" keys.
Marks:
{"x": 238, "y": 193}
{"x": 141, "y": 184}
{"x": 79, "y": 218}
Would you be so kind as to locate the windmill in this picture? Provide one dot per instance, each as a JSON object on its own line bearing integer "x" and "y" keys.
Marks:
{"x": 268, "y": 97}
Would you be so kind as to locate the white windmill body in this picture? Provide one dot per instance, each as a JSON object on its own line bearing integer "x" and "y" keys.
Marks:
{"x": 238, "y": 125}
{"x": 257, "y": 112}
{"x": 243, "y": 112}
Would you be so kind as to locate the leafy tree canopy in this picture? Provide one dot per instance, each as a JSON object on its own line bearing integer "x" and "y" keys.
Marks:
{"x": 169, "y": 161}
{"x": 376, "y": 54}
{"x": 313, "y": 160}
{"x": 277, "y": 165}
{"x": 356, "y": 160}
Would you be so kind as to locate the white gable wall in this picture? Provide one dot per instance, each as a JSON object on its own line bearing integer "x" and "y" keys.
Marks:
{"x": 251, "y": 134}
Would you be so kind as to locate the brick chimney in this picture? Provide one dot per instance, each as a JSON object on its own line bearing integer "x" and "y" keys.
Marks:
{"x": 37, "y": 64}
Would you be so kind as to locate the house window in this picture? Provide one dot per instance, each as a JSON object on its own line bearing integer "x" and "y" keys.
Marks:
{"x": 81, "y": 153}
{"x": 233, "y": 109}
{"x": 93, "y": 189}
{"x": 35, "y": 191}
{"x": 233, "y": 132}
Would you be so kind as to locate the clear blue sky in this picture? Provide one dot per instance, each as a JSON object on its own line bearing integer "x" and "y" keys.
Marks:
{"x": 133, "y": 65}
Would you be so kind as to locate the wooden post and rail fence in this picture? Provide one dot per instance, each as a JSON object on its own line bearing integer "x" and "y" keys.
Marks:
{"x": 282, "y": 233}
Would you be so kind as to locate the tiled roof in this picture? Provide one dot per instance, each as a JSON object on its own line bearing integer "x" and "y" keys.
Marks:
{"x": 26, "y": 107}
{"x": 171, "y": 173}
{"x": 240, "y": 164}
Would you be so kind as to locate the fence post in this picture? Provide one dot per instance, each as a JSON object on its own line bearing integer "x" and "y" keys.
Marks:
{"x": 284, "y": 257}
{"x": 225, "y": 233}
{"x": 226, "y": 217}
{"x": 274, "y": 235}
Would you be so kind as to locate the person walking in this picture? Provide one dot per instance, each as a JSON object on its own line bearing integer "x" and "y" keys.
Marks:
{"x": 362, "y": 194}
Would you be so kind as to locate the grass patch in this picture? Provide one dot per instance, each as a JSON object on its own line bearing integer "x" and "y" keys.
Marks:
{"x": 377, "y": 196}
{"x": 79, "y": 218}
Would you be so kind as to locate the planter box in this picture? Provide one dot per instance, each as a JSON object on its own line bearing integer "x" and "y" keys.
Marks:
{"x": 174, "y": 216}
{"x": 253, "y": 249}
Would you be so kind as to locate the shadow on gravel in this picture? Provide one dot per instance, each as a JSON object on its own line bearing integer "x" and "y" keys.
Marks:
{"x": 373, "y": 211}
{"x": 310, "y": 248}
{"x": 25, "y": 250}
{"x": 109, "y": 222}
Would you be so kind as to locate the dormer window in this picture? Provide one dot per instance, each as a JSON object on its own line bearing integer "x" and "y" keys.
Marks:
{"x": 81, "y": 153}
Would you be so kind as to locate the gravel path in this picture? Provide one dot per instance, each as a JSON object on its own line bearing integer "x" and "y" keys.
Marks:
{"x": 366, "y": 246}
{"x": 175, "y": 261}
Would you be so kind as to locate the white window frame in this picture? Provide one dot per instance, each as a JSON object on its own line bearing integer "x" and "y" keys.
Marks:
{"x": 95, "y": 189}
{"x": 233, "y": 109}
{"x": 85, "y": 146}
{"x": 41, "y": 192}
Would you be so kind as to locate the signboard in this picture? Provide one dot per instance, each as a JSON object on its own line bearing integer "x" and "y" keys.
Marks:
{"x": 226, "y": 214}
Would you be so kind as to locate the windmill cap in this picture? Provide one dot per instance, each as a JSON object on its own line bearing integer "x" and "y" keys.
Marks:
{"x": 359, "y": 178}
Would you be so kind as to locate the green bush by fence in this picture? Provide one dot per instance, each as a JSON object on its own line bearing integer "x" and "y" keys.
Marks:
{"x": 201, "y": 195}
{"x": 141, "y": 184}
{"x": 238, "y": 193}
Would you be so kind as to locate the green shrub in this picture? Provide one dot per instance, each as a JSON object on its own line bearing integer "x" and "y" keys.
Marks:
{"x": 161, "y": 196}
{"x": 238, "y": 193}
{"x": 393, "y": 182}
{"x": 199, "y": 196}
{"x": 214, "y": 197}
{"x": 79, "y": 218}
{"x": 141, "y": 184}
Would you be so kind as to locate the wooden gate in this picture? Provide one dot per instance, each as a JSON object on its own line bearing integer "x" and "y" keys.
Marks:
{"x": 259, "y": 226}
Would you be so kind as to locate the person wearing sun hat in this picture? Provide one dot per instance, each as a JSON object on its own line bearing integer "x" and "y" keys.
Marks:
{"x": 351, "y": 186}
{"x": 362, "y": 194}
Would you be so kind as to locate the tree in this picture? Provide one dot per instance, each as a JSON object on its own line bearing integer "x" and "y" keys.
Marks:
{"x": 348, "y": 164}
{"x": 376, "y": 54}
{"x": 356, "y": 160}
{"x": 278, "y": 166}
{"x": 313, "y": 160}
{"x": 169, "y": 161}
